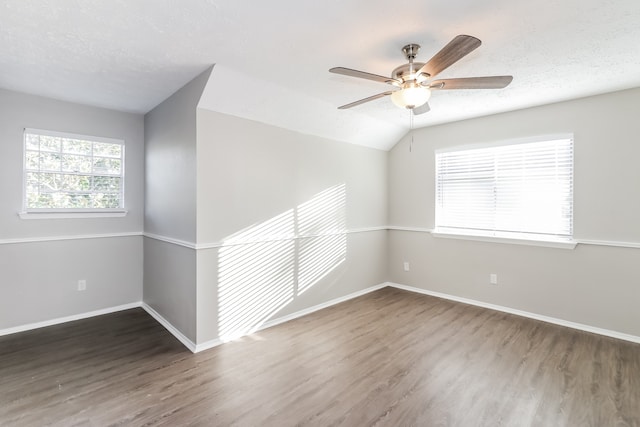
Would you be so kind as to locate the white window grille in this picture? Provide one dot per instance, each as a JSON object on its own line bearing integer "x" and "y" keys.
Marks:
{"x": 72, "y": 173}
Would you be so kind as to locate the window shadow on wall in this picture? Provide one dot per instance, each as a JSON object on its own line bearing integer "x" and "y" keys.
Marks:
{"x": 264, "y": 268}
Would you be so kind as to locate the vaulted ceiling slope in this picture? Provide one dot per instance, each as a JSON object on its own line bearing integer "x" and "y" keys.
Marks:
{"x": 273, "y": 57}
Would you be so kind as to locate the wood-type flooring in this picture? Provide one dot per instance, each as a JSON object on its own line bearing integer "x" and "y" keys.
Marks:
{"x": 389, "y": 358}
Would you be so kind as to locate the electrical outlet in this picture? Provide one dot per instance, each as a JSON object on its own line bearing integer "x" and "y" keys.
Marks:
{"x": 82, "y": 285}
{"x": 406, "y": 266}
{"x": 493, "y": 279}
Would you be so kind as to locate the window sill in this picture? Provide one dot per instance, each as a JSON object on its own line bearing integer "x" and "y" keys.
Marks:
{"x": 560, "y": 243}
{"x": 71, "y": 215}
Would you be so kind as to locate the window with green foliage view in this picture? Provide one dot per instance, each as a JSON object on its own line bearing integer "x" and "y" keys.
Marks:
{"x": 66, "y": 172}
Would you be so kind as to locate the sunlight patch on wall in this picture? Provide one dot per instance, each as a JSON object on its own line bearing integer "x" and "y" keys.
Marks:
{"x": 264, "y": 267}
{"x": 258, "y": 283}
{"x": 255, "y": 278}
{"x": 277, "y": 228}
{"x": 324, "y": 218}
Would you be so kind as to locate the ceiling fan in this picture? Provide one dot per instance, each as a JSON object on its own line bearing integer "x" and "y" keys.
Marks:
{"x": 414, "y": 80}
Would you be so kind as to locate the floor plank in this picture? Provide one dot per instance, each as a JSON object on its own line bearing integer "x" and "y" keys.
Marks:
{"x": 389, "y": 358}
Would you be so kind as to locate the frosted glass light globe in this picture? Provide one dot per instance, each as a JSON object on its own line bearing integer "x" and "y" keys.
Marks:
{"x": 411, "y": 96}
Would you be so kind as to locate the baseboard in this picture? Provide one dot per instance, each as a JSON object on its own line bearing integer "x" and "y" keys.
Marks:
{"x": 169, "y": 327}
{"x": 164, "y": 322}
{"x": 317, "y": 307}
{"x": 207, "y": 345}
{"x": 194, "y": 348}
{"x": 66, "y": 319}
{"x": 548, "y": 319}
{"x": 273, "y": 322}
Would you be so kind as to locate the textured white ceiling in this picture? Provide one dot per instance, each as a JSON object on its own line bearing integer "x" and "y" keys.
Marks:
{"x": 273, "y": 57}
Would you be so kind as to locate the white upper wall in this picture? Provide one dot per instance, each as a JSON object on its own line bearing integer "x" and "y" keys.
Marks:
{"x": 606, "y": 150}
{"x": 19, "y": 111}
{"x": 170, "y": 163}
{"x": 250, "y": 172}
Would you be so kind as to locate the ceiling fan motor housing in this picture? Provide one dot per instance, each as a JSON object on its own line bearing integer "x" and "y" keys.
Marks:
{"x": 402, "y": 72}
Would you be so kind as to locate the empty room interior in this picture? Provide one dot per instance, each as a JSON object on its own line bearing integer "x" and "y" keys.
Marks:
{"x": 334, "y": 213}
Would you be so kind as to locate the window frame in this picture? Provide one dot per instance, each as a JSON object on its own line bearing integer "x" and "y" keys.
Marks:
{"x": 43, "y": 213}
{"x": 516, "y": 237}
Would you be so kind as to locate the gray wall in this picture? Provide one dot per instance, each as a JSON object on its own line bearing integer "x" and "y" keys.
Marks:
{"x": 595, "y": 285}
{"x": 170, "y": 163}
{"x": 249, "y": 172}
{"x": 170, "y": 284}
{"x": 278, "y": 213}
{"x": 170, "y": 207}
{"x": 260, "y": 220}
{"x": 214, "y": 179}
{"x": 39, "y": 279}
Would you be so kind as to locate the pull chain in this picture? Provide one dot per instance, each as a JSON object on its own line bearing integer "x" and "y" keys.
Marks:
{"x": 411, "y": 130}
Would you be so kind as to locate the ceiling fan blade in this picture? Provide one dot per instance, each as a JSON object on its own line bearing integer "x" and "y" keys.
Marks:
{"x": 493, "y": 82}
{"x": 421, "y": 109}
{"x": 362, "y": 101}
{"x": 457, "y": 48}
{"x": 363, "y": 75}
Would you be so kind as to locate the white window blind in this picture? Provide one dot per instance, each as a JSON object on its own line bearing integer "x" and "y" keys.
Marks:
{"x": 520, "y": 190}
{"x": 72, "y": 173}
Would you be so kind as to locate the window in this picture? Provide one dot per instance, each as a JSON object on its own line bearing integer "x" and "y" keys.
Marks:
{"x": 72, "y": 173}
{"x": 520, "y": 190}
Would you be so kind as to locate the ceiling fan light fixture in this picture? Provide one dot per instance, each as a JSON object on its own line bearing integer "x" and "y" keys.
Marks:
{"x": 414, "y": 79}
{"x": 411, "y": 96}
